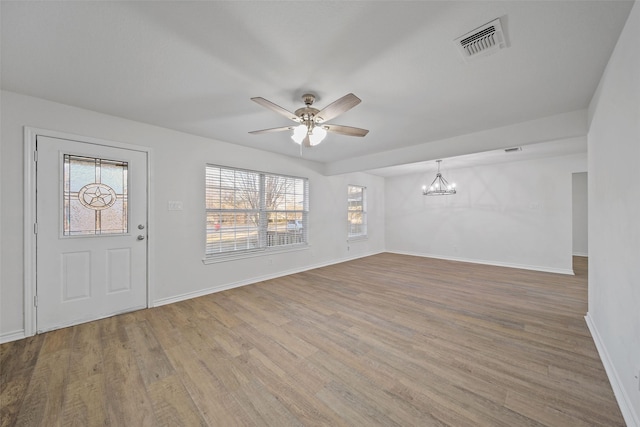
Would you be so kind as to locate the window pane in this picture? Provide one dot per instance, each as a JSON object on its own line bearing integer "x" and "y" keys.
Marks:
{"x": 82, "y": 219}
{"x": 213, "y": 198}
{"x": 111, "y": 174}
{"x": 112, "y": 219}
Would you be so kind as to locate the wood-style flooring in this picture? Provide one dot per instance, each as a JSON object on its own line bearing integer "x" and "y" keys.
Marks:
{"x": 387, "y": 340}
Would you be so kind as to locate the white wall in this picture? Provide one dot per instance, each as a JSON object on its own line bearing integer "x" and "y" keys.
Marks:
{"x": 177, "y": 237}
{"x": 614, "y": 219}
{"x": 514, "y": 214}
{"x": 580, "y": 214}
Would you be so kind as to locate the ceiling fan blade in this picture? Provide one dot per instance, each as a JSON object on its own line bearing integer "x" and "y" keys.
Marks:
{"x": 337, "y": 107}
{"x": 272, "y": 130}
{"x": 274, "y": 107}
{"x": 346, "y": 130}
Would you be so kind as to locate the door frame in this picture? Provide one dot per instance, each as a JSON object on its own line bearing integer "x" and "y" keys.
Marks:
{"x": 30, "y": 249}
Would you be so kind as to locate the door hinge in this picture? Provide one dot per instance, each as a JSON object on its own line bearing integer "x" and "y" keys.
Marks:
{"x": 35, "y": 300}
{"x": 35, "y": 156}
{"x": 35, "y": 228}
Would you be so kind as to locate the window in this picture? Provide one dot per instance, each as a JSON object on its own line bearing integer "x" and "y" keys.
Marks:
{"x": 357, "y": 211}
{"x": 95, "y": 196}
{"x": 250, "y": 211}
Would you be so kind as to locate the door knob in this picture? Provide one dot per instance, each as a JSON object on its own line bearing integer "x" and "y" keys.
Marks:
{"x": 140, "y": 237}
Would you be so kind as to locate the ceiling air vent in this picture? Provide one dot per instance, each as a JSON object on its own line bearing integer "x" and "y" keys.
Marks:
{"x": 482, "y": 41}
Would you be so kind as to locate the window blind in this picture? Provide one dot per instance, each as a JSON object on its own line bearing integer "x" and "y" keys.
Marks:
{"x": 251, "y": 211}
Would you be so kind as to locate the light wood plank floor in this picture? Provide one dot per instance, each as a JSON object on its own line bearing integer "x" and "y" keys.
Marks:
{"x": 387, "y": 340}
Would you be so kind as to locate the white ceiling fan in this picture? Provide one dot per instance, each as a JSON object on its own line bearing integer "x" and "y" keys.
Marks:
{"x": 312, "y": 126}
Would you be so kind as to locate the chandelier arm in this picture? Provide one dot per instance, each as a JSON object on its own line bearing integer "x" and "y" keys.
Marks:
{"x": 446, "y": 183}
{"x": 434, "y": 180}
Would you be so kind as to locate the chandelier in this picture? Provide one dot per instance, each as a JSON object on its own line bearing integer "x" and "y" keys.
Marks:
{"x": 439, "y": 186}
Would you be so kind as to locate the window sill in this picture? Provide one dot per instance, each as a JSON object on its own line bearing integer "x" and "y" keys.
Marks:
{"x": 214, "y": 259}
{"x": 357, "y": 238}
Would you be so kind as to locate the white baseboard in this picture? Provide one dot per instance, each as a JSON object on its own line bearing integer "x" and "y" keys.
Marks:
{"x": 624, "y": 400}
{"x": 227, "y": 286}
{"x": 12, "y": 336}
{"x": 494, "y": 263}
{"x": 584, "y": 254}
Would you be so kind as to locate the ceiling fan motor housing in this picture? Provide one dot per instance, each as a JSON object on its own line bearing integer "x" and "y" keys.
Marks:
{"x": 308, "y": 99}
{"x": 307, "y": 113}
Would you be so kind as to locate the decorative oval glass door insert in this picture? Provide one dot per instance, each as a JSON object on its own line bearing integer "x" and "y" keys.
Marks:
{"x": 95, "y": 196}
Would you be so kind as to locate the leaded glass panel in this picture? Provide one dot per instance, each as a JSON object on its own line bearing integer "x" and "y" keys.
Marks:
{"x": 95, "y": 196}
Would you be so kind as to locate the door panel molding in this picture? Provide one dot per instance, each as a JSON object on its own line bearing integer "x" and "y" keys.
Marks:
{"x": 30, "y": 135}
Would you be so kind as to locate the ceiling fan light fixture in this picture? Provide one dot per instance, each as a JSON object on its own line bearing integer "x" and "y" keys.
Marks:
{"x": 299, "y": 132}
{"x": 317, "y": 135}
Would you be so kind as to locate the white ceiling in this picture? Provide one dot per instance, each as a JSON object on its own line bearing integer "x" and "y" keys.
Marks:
{"x": 193, "y": 66}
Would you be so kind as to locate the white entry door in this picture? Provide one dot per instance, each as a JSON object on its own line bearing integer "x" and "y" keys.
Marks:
{"x": 91, "y": 245}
